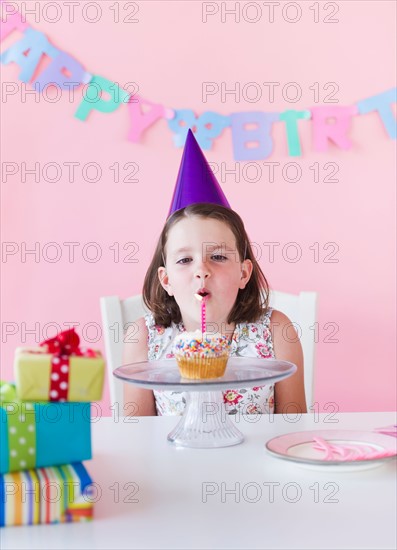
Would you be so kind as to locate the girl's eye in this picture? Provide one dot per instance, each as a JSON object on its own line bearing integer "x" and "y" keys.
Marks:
{"x": 183, "y": 261}
{"x": 219, "y": 257}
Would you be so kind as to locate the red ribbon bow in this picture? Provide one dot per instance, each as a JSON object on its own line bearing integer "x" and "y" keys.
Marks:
{"x": 64, "y": 345}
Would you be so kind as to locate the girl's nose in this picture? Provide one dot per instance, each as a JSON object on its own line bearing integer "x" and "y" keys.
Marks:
{"x": 202, "y": 272}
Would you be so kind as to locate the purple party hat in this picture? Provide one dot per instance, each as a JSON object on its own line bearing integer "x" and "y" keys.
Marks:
{"x": 196, "y": 181}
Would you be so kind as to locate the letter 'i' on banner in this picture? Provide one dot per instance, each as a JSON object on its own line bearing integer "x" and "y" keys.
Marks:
{"x": 260, "y": 135}
{"x": 382, "y": 104}
{"x": 93, "y": 100}
{"x": 55, "y": 73}
{"x": 206, "y": 127}
{"x": 11, "y": 20}
{"x": 36, "y": 44}
{"x": 290, "y": 118}
{"x": 332, "y": 123}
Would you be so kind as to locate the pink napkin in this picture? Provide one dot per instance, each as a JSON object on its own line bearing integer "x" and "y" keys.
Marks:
{"x": 348, "y": 452}
{"x": 388, "y": 430}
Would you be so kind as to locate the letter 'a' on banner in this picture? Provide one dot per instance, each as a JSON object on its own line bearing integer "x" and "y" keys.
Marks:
{"x": 35, "y": 45}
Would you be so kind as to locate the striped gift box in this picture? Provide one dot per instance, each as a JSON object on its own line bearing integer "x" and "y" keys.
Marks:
{"x": 54, "y": 494}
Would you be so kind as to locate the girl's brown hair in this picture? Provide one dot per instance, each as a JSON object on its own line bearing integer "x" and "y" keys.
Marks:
{"x": 251, "y": 302}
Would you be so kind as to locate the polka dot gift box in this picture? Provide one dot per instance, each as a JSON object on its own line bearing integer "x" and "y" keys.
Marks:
{"x": 34, "y": 435}
{"x": 59, "y": 370}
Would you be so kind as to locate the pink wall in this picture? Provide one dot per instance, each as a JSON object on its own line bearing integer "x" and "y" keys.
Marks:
{"x": 170, "y": 52}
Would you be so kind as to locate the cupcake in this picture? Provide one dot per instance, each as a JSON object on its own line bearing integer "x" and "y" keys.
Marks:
{"x": 201, "y": 357}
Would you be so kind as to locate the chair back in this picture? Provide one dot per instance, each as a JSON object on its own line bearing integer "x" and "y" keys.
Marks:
{"x": 301, "y": 310}
{"x": 118, "y": 314}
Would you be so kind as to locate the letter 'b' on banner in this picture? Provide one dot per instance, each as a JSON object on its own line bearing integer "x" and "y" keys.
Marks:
{"x": 260, "y": 135}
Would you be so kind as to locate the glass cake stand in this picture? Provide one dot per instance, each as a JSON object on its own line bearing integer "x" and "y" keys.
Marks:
{"x": 205, "y": 422}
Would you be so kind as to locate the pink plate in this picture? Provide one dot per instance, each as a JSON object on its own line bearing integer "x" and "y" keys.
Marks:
{"x": 351, "y": 449}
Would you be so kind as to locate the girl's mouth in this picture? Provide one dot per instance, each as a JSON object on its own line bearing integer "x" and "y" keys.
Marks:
{"x": 202, "y": 293}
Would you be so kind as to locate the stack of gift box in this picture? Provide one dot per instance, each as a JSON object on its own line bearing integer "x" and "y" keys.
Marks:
{"x": 45, "y": 433}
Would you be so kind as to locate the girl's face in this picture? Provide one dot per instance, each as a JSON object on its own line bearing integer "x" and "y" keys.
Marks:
{"x": 201, "y": 254}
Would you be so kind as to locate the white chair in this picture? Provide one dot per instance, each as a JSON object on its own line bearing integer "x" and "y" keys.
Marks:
{"x": 301, "y": 310}
{"x": 117, "y": 314}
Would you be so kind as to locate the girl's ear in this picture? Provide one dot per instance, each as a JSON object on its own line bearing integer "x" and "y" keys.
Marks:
{"x": 164, "y": 280}
{"x": 246, "y": 272}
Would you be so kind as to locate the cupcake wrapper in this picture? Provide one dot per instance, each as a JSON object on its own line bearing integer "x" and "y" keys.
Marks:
{"x": 197, "y": 368}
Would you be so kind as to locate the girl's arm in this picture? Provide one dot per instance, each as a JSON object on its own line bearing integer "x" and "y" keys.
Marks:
{"x": 143, "y": 400}
{"x": 289, "y": 394}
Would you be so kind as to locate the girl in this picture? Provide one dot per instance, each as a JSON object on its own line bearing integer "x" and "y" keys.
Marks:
{"x": 205, "y": 247}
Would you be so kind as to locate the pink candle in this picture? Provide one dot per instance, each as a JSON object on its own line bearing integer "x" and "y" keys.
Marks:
{"x": 203, "y": 313}
{"x": 203, "y": 317}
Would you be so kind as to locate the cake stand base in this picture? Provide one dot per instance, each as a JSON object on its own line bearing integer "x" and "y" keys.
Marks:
{"x": 205, "y": 423}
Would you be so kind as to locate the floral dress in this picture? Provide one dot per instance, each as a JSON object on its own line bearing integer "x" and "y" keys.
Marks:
{"x": 249, "y": 340}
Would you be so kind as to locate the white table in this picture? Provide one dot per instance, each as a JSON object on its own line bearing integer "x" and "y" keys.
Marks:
{"x": 220, "y": 498}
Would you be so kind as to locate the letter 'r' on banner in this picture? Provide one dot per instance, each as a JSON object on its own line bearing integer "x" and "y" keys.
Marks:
{"x": 54, "y": 73}
{"x": 290, "y": 118}
{"x": 93, "y": 100}
{"x": 382, "y": 104}
{"x": 36, "y": 44}
{"x": 11, "y": 20}
{"x": 261, "y": 135}
{"x": 332, "y": 123}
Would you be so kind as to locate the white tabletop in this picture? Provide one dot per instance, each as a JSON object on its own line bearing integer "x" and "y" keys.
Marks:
{"x": 154, "y": 495}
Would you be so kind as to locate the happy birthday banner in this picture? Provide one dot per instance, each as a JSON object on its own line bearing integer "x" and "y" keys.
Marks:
{"x": 248, "y": 128}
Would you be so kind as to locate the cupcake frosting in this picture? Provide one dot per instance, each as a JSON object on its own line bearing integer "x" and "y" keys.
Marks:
{"x": 190, "y": 344}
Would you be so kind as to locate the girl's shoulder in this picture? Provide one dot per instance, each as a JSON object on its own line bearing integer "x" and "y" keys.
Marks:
{"x": 278, "y": 318}
{"x": 286, "y": 336}
{"x": 135, "y": 342}
{"x": 137, "y": 327}
{"x": 280, "y": 325}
